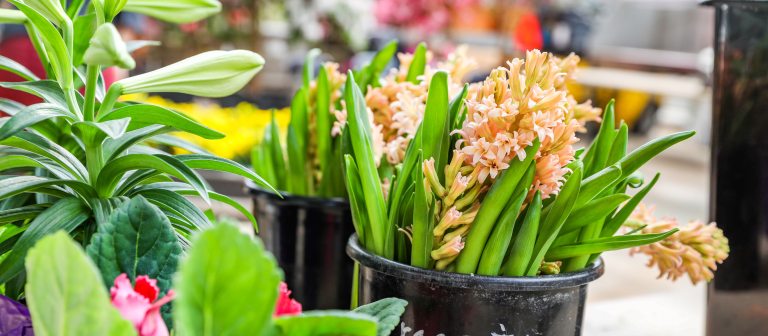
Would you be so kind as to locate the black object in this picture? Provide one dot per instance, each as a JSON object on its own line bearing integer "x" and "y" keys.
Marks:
{"x": 738, "y": 296}
{"x": 307, "y": 237}
{"x": 460, "y": 304}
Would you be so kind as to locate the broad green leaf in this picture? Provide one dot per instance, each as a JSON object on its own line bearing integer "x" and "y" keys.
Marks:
{"x": 600, "y": 245}
{"x": 50, "y": 10}
{"x": 493, "y": 203}
{"x": 418, "y": 64}
{"x": 226, "y": 285}
{"x": 136, "y": 240}
{"x": 330, "y": 323}
{"x": 10, "y": 107}
{"x": 98, "y": 131}
{"x": 65, "y": 294}
{"x": 66, "y": 215}
{"x": 12, "y": 66}
{"x": 387, "y": 313}
{"x": 143, "y": 115}
{"x": 47, "y": 89}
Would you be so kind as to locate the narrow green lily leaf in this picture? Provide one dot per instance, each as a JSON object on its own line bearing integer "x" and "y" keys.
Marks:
{"x": 596, "y": 210}
{"x": 14, "y": 67}
{"x": 498, "y": 243}
{"x": 51, "y": 10}
{"x": 136, "y": 240}
{"x": 521, "y": 251}
{"x": 66, "y": 215}
{"x": 20, "y": 184}
{"x": 615, "y": 223}
{"x": 228, "y": 201}
{"x": 172, "y": 201}
{"x": 597, "y": 155}
{"x": 10, "y": 107}
{"x": 493, "y": 204}
{"x": 65, "y": 294}
{"x": 47, "y": 89}
{"x": 113, "y": 128}
{"x": 553, "y": 222}
{"x": 387, "y": 313}
{"x": 214, "y": 287}
{"x": 12, "y": 16}
{"x": 362, "y": 144}
{"x": 175, "y": 11}
{"x": 114, "y": 147}
{"x": 600, "y": 245}
{"x": 134, "y": 45}
{"x": 327, "y": 323}
{"x": 31, "y": 116}
{"x": 638, "y": 157}
{"x": 109, "y": 8}
{"x": 418, "y": 64}
{"x": 209, "y": 162}
{"x": 150, "y": 115}
{"x": 357, "y": 202}
{"x": 20, "y": 214}
{"x": 50, "y": 150}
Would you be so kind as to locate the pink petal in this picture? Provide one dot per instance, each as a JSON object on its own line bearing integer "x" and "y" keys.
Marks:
{"x": 132, "y": 305}
{"x": 147, "y": 287}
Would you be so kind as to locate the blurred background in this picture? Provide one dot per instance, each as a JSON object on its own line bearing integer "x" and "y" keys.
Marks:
{"x": 653, "y": 56}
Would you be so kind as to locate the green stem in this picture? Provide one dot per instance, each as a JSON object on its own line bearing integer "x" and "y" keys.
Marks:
{"x": 92, "y": 75}
{"x": 94, "y": 159}
{"x": 114, "y": 92}
{"x": 71, "y": 98}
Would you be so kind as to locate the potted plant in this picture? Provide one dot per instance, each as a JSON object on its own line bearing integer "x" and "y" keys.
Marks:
{"x": 306, "y": 226}
{"x": 226, "y": 284}
{"x": 494, "y": 221}
{"x": 69, "y": 161}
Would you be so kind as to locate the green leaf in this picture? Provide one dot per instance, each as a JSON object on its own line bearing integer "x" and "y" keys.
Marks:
{"x": 20, "y": 184}
{"x": 113, "y": 171}
{"x": 275, "y": 152}
{"x": 14, "y": 67}
{"x": 309, "y": 66}
{"x": 357, "y": 202}
{"x": 521, "y": 251}
{"x": 615, "y": 223}
{"x": 100, "y": 130}
{"x": 596, "y": 210}
{"x": 597, "y": 155}
{"x": 423, "y": 222}
{"x": 493, "y": 203}
{"x": 20, "y": 213}
{"x": 323, "y": 122}
{"x": 65, "y": 294}
{"x": 10, "y": 107}
{"x": 143, "y": 115}
{"x": 219, "y": 294}
{"x": 168, "y": 197}
{"x": 66, "y": 215}
{"x": 369, "y": 75}
{"x": 134, "y": 45}
{"x": 595, "y": 184}
{"x": 387, "y": 313}
{"x": 328, "y": 323}
{"x": 113, "y": 148}
{"x": 137, "y": 240}
{"x": 176, "y": 11}
{"x": 85, "y": 26}
{"x": 633, "y": 161}
{"x": 50, "y": 150}
{"x": 418, "y": 64}
{"x": 600, "y": 245}
{"x": 435, "y": 126}
{"x": 48, "y": 90}
{"x": 209, "y": 162}
{"x": 619, "y": 146}
{"x": 362, "y": 145}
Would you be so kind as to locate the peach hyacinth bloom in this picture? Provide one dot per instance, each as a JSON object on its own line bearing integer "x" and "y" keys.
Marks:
{"x": 694, "y": 250}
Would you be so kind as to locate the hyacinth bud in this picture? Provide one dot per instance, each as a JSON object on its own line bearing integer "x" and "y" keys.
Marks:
{"x": 469, "y": 197}
{"x": 550, "y": 267}
{"x": 458, "y": 187}
{"x": 50, "y": 9}
{"x": 449, "y": 249}
{"x": 107, "y": 49}
{"x": 210, "y": 74}
{"x": 176, "y": 11}
{"x": 110, "y": 8}
{"x": 12, "y": 16}
{"x": 431, "y": 175}
{"x": 452, "y": 169}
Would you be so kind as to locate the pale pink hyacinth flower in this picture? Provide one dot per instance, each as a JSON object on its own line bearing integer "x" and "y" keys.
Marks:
{"x": 695, "y": 250}
{"x": 139, "y": 305}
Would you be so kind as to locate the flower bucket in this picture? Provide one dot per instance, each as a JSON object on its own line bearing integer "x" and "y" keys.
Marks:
{"x": 307, "y": 236}
{"x": 443, "y": 303}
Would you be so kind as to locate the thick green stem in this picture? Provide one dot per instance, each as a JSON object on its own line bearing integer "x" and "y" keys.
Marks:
{"x": 114, "y": 92}
{"x": 94, "y": 158}
{"x": 92, "y": 75}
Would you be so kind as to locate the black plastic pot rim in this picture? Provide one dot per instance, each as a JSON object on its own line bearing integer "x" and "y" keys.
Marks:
{"x": 290, "y": 199}
{"x": 490, "y": 283}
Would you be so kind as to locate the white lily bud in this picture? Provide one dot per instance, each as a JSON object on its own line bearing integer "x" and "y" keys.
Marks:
{"x": 107, "y": 49}
{"x": 210, "y": 74}
{"x": 176, "y": 11}
{"x": 50, "y": 9}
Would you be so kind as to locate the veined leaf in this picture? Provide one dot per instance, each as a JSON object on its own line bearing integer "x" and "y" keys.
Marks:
{"x": 327, "y": 323}
{"x": 20, "y": 213}
{"x": 20, "y": 184}
{"x": 65, "y": 294}
{"x": 214, "y": 287}
{"x": 209, "y": 162}
{"x": 66, "y": 215}
{"x": 14, "y": 67}
{"x": 143, "y": 115}
{"x": 387, "y": 313}
{"x": 10, "y": 107}
{"x": 136, "y": 240}
{"x": 47, "y": 89}
{"x": 50, "y": 150}
{"x": 114, "y": 147}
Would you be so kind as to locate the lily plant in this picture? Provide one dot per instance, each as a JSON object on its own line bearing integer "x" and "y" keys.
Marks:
{"x": 492, "y": 183}
{"x": 66, "y": 163}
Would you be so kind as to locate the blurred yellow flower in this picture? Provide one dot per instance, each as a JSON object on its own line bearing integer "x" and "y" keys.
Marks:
{"x": 243, "y": 124}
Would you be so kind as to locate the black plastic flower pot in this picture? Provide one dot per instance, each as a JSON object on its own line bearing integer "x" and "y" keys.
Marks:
{"x": 461, "y": 304}
{"x": 307, "y": 236}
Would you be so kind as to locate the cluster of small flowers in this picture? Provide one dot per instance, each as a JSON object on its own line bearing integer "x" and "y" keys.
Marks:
{"x": 518, "y": 104}
{"x": 694, "y": 250}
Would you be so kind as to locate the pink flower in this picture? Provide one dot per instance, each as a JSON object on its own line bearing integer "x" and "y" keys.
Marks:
{"x": 138, "y": 304}
{"x": 285, "y": 305}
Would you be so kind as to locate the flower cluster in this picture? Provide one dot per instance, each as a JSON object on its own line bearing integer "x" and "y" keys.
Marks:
{"x": 518, "y": 104}
{"x": 695, "y": 250}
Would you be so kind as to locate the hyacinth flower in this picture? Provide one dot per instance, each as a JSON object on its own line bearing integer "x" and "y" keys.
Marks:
{"x": 695, "y": 250}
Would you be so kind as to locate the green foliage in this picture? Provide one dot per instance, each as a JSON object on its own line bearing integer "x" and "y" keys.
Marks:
{"x": 327, "y": 323}
{"x": 217, "y": 295}
{"x": 65, "y": 292}
{"x": 137, "y": 240}
{"x": 69, "y": 161}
